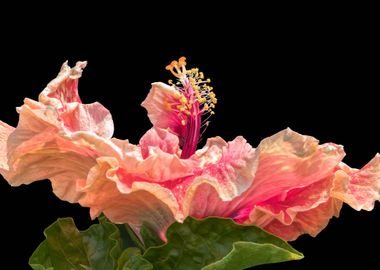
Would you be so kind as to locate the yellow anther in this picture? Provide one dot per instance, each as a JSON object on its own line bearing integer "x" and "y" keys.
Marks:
{"x": 183, "y": 99}
{"x": 181, "y": 108}
{"x": 199, "y": 93}
{"x": 183, "y": 122}
{"x": 192, "y": 81}
{"x": 202, "y": 100}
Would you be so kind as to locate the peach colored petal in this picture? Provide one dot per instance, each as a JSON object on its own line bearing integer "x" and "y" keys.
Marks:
{"x": 236, "y": 167}
{"x": 202, "y": 199}
{"x": 359, "y": 188}
{"x": 62, "y": 99}
{"x": 92, "y": 117}
{"x": 155, "y": 160}
{"x": 282, "y": 164}
{"x": 41, "y": 158}
{"x": 5, "y": 131}
{"x": 228, "y": 170}
{"x": 143, "y": 202}
{"x": 64, "y": 88}
{"x": 161, "y": 166}
{"x": 288, "y": 160}
{"x": 34, "y": 155}
{"x": 301, "y": 210}
{"x": 161, "y": 138}
{"x": 43, "y": 146}
{"x": 311, "y": 222}
{"x": 126, "y": 148}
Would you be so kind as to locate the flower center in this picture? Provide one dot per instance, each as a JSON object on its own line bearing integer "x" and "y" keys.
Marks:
{"x": 196, "y": 101}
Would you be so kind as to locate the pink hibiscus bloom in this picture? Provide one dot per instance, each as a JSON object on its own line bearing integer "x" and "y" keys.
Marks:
{"x": 289, "y": 184}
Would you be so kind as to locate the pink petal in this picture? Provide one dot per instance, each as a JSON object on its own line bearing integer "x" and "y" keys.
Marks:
{"x": 228, "y": 170}
{"x": 157, "y": 160}
{"x": 235, "y": 167}
{"x": 61, "y": 97}
{"x": 161, "y": 138}
{"x": 282, "y": 164}
{"x": 64, "y": 88}
{"x": 36, "y": 151}
{"x": 359, "y": 188}
{"x": 311, "y": 222}
{"x": 301, "y": 210}
{"x": 92, "y": 117}
{"x": 53, "y": 139}
{"x": 158, "y": 167}
{"x": 159, "y": 104}
{"x": 288, "y": 160}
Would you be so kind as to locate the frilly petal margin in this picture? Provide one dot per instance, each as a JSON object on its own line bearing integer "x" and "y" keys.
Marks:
{"x": 161, "y": 138}
{"x": 312, "y": 221}
{"x": 286, "y": 163}
{"x": 61, "y": 95}
{"x": 5, "y": 131}
{"x": 50, "y": 140}
{"x": 358, "y": 188}
{"x": 141, "y": 203}
{"x": 228, "y": 170}
{"x": 160, "y": 158}
{"x": 301, "y": 210}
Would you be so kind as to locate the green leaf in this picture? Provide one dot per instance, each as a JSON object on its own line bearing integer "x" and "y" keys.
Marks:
{"x": 150, "y": 237}
{"x": 216, "y": 243}
{"x": 128, "y": 236}
{"x": 131, "y": 259}
{"x": 65, "y": 247}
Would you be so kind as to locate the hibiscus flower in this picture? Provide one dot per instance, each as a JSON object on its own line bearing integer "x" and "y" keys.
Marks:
{"x": 289, "y": 184}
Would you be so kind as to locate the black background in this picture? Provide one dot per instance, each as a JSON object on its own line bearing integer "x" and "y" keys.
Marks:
{"x": 311, "y": 71}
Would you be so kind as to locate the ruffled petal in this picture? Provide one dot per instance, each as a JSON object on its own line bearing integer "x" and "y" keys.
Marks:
{"x": 92, "y": 117}
{"x": 158, "y": 167}
{"x": 359, "y": 188}
{"x": 5, "y": 131}
{"x": 36, "y": 150}
{"x": 64, "y": 88}
{"x": 311, "y": 222}
{"x": 283, "y": 166}
{"x": 288, "y": 160}
{"x": 57, "y": 138}
{"x": 161, "y": 106}
{"x": 141, "y": 203}
{"x": 159, "y": 138}
{"x": 302, "y": 210}
{"x": 228, "y": 170}
{"x": 61, "y": 95}
{"x": 155, "y": 160}
{"x": 42, "y": 157}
